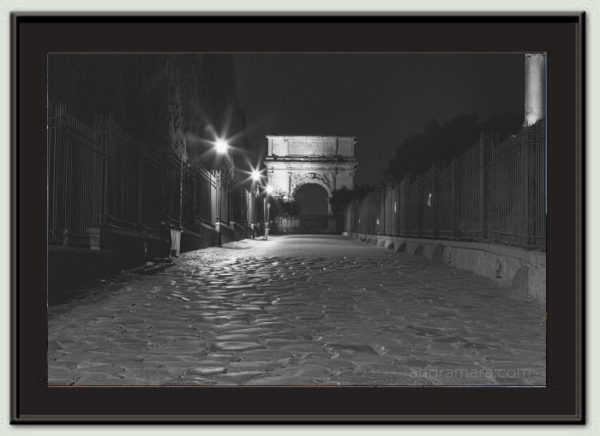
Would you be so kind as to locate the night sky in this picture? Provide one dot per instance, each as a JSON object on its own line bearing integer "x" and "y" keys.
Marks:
{"x": 379, "y": 98}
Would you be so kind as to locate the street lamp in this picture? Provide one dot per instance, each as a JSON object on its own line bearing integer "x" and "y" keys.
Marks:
{"x": 221, "y": 147}
{"x": 267, "y": 209}
{"x": 256, "y": 176}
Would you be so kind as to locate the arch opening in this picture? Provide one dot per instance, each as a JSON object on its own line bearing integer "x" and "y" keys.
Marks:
{"x": 313, "y": 201}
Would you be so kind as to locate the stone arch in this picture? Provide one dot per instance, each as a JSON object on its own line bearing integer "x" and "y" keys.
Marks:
{"x": 314, "y": 181}
{"x": 304, "y": 181}
{"x": 295, "y": 161}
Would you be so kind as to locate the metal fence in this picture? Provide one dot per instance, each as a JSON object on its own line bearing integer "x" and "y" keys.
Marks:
{"x": 101, "y": 176}
{"x": 494, "y": 192}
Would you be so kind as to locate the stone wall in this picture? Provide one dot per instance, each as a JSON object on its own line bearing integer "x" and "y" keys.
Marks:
{"x": 521, "y": 272}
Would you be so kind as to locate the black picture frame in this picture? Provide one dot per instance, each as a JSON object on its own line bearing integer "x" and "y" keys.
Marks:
{"x": 560, "y": 35}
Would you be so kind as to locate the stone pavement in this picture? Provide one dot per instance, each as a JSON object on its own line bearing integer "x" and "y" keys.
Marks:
{"x": 297, "y": 310}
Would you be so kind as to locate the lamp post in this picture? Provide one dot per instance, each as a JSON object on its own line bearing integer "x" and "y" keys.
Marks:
{"x": 267, "y": 209}
{"x": 256, "y": 177}
{"x": 221, "y": 148}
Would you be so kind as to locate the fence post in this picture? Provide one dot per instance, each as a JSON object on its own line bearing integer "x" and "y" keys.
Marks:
{"x": 482, "y": 186}
{"x": 406, "y": 208}
{"x": 420, "y": 192}
{"x": 52, "y": 146}
{"x": 68, "y": 204}
{"x": 436, "y": 199}
{"x": 351, "y": 218}
{"x": 100, "y": 139}
{"x": 351, "y": 221}
{"x": 140, "y": 213}
{"x": 397, "y": 203}
{"x": 455, "y": 196}
{"x": 106, "y": 136}
{"x": 531, "y": 204}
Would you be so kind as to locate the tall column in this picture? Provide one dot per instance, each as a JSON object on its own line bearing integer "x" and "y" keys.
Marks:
{"x": 535, "y": 88}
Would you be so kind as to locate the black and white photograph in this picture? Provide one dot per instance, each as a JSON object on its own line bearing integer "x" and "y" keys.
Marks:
{"x": 296, "y": 219}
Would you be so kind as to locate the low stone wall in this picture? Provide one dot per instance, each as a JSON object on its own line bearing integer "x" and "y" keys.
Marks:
{"x": 239, "y": 231}
{"x": 206, "y": 236}
{"x": 522, "y": 272}
{"x": 70, "y": 267}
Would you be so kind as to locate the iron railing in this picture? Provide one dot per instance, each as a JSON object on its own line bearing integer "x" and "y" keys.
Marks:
{"x": 101, "y": 176}
{"x": 494, "y": 192}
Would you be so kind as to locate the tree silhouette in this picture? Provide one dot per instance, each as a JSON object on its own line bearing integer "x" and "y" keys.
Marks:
{"x": 342, "y": 197}
{"x": 440, "y": 142}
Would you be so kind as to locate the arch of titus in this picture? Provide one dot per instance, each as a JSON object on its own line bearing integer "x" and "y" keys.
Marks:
{"x": 294, "y": 161}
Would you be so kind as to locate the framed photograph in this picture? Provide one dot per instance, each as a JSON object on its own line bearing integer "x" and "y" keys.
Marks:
{"x": 297, "y": 218}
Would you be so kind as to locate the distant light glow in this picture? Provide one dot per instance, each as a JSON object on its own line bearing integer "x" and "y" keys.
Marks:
{"x": 269, "y": 189}
{"x": 221, "y": 146}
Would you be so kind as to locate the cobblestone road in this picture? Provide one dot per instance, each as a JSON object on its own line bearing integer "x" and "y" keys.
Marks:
{"x": 297, "y": 310}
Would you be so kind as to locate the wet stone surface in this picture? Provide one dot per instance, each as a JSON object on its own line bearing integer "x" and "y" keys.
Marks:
{"x": 297, "y": 311}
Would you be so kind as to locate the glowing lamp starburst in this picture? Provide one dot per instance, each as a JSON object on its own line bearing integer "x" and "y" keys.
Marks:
{"x": 221, "y": 146}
